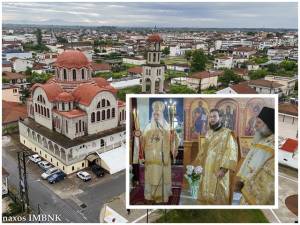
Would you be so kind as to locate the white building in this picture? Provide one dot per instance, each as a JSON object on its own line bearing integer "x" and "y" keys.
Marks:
{"x": 74, "y": 118}
{"x": 223, "y": 62}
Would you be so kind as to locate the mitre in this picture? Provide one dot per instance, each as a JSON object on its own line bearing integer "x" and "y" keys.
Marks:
{"x": 158, "y": 106}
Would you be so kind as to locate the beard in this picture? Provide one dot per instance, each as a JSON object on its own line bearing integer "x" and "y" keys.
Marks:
{"x": 261, "y": 134}
{"x": 215, "y": 126}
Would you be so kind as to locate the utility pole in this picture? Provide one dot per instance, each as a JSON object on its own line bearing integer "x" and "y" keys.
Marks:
{"x": 23, "y": 185}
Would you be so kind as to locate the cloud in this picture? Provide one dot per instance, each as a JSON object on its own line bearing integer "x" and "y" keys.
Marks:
{"x": 201, "y": 14}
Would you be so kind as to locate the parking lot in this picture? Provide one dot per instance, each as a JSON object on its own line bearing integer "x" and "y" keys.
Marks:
{"x": 76, "y": 200}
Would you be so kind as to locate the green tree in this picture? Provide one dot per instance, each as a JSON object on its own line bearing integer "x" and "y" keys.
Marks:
{"x": 188, "y": 55}
{"x": 39, "y": 36}
{"x": 288, "y": 65}
{"x": 28, "y": 71}
{"x": 181, "y": 89}
{"x": 25, "y": 93}
{"x": 199, "y": 61}
{"x": 272, "y": 68}
{"x": 229, "y": 77}
{"x": 258, "y": 74}
{"x": 166, "y": 51}
{"x": 39, "y": 78}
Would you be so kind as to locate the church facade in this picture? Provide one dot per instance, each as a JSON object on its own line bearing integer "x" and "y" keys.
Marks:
{"x": 73, "y": 118}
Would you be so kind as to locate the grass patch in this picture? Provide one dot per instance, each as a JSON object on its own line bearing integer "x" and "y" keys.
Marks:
{"x": 175, "y": 59}
{"x": 121, "y": 95}
{"x": 214, "y": 216}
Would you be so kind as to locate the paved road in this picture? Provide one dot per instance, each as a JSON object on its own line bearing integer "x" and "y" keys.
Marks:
{"x": 70, "y": 210}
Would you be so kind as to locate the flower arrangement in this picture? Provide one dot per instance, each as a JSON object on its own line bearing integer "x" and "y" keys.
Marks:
{"x": 193, "y": 175}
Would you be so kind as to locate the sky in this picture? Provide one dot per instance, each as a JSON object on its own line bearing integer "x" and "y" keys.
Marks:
{"x": 150, "y": 14}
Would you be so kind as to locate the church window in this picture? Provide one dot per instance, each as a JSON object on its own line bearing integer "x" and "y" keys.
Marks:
{"x": 79, "y": 124}
{"x": 82, "y": 125}
{"x": 65, "y": 74}
{"x": 149, "y": 55}
{"x": 39, "y": 109}
{"x": 98, "y": 105}
{"x": 93, "y": 117}
{"x": 108, "y": 114}
{"x": 103, "y": 102}
{"x": 103, "y": 114}
{"x": 82, "y": 74}
{"x": 63, "y": 106}
{"x": 35, "y": 107}
{"x": 66, "y": 126}
{"x": 154, "y": 57}
{"x": 102, "y": 143}
{"x": 107, "y": 103}
{"x": 98, "y": 116}
{"x": 74, "y": 74}
{"x": 76, "y": 127}
{"x": 48, "y": 113}
{"x": 113, "y": 112}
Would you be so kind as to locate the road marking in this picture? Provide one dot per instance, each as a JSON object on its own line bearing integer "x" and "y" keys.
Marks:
{"x": 288, "y": 178}
{"x": 274, "y": 214}
{"x": 143, "y": 216}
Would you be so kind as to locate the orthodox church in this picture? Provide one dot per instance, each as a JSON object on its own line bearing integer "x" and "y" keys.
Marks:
{"x": 75, "y": 120}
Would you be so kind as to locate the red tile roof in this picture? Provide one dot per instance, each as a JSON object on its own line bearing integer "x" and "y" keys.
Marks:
{"x": 64, "y": 97}
{"x": 288, "y": 108}
{"x": 100, "y": 66}
{"x": 12, "y": 111}
{"x": 85, "y": 93}
{"x": 51, "y": 89}
{"x": 12, "y": 76}
{"x": 136, "y": 70}
{"x": 71, "y": 114}
{"x": 243, "y": 89}
{"x": 290, "y": 145}
{"x": 155, "y": 38}
{"x": 72, "y": 59}
{"x": 101, "y": 82}
{"x": 206, "y": 74}
{"x": 264, "y": 83}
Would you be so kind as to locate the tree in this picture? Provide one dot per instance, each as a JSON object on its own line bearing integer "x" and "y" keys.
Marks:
{"x": 28, "y": 71}
{"x": 39, "y": 78}
{"x": 258, "y": 74}
{"x": 288, "y": 65}
{"x": 181, "y": 89}
{"x": 188, "y": 55}
{"x": 25, "y": 93}
{"x": 199, "y": 61}
{"x": 229, "y": 77}
{"x": 39, "y": 36}
{"x": 166, "y": 51}
{"x": 272, "y": 68}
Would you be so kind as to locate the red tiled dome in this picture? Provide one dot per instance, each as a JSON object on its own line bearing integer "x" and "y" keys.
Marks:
{"x": 72, "y": 59}
{"x": 65, "y": 97}
{"x": 155, "y": 38}
{"x": 101, "y": 82}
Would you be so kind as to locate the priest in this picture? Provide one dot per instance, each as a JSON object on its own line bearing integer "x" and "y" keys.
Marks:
{"x": 158, "y": 144}
{"x": 218, "y": 157}
{"x": 256, "y": 174}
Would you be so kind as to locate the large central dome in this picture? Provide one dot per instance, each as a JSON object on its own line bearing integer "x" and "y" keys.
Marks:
{"x": 72, "y": 59}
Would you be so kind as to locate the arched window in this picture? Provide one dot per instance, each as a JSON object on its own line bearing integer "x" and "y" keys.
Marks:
{"x": 67, "y": 126}
{"x": 108, "y": 114}
{"x": 103, "y": 103}
{"x": 107, "y": 103}
{"x": 76, "y": 127}
{"x": 113, "y": 112}
{"x": 149, "y": 56}
{"x": 154, "y": 57}
{"x": 65, "y": 74}
{"x": 82, "y": 74}
{"x": 98, "y": 116}
{"x": 74, "y": 74}
{"x": 92, "y": 117}
{"x": 35, "y": 107}
{"x": 103, "y": 114}
{"x": 98, "y": 105}
{"x": 39, "y": 109}
{"x": 48, "y": 114}
{"x": 102, "y": 143}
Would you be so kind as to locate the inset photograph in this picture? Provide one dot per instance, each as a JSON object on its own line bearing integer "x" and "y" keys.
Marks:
{"x": 201, "y": 150}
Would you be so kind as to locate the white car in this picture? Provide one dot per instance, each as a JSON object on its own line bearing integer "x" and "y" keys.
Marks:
{"x": 85, "y": 176}
{"x": 35, "y": 158}
{"x": 49, "y": 172}
{"x": 45, "y": 165}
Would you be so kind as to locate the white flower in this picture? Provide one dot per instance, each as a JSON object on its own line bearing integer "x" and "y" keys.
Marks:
{"x": 189, "y": 169}
{"x": 198, "y": 169}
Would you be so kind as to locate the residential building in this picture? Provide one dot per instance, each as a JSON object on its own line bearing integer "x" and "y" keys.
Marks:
{"x": 223, "y": 62}
{"x": 203, "y": 80}
{"x": 288, "y": 83}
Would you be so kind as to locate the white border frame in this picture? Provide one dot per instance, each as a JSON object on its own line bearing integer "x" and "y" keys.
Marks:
{"x": 272, "y": 96}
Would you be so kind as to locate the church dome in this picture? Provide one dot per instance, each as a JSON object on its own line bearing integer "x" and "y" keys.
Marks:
{"x": 155, "y": 38}
{"x": 72, "y": 59}
{"x": 65, "y": 97}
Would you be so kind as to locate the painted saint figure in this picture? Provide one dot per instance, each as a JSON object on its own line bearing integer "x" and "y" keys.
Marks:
{"x": 158, "y": 143}
{"x": 200, "y": 119}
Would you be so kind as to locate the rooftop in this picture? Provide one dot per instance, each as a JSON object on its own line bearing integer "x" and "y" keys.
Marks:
{"x": 12, "y": 111}
{"x": 63, "y": 140}
{"x": 288, "y": 108}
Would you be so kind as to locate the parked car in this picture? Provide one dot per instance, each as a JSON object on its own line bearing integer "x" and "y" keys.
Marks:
{"x": 50, "y": 172}
{"x": 100, "y": 172}
{"x": 45, "y": 165}
{"x": 35, "y": 158}
{"x": 85, "y": 176}
{"x": 56, "y": 177}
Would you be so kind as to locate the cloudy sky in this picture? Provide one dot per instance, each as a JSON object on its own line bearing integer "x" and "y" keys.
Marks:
{"x": 202, "y": 15}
